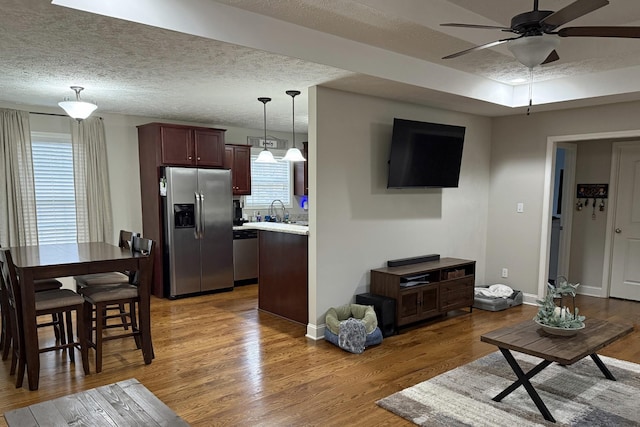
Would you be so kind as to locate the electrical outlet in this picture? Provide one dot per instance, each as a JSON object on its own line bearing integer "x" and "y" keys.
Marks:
{"x": 505, "y": 272}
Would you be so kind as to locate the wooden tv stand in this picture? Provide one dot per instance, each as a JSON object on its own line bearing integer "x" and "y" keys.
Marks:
{"x": 427, "y": 289}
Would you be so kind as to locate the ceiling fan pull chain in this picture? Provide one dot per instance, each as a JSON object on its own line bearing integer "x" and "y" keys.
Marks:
{"x": 530, "y": 91}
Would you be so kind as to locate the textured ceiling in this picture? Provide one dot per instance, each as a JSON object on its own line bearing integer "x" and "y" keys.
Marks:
{"x": 237, "y": 50}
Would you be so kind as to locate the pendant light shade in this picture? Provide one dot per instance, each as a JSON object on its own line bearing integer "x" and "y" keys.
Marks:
{"x": 265, "y": 155}
{"x": 77, "y": 109}
{"x": 293, "y": 154}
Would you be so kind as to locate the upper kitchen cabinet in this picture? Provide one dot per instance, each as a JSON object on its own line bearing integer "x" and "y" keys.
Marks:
{"x": 179, "y": 145}
{"x": 300, "y": 174}
{"x": 238, "y": 159}
{"x": 160, "y": 145}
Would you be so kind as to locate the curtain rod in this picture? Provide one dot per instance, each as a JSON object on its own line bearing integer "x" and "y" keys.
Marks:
{"x": 48, "y": 114}
{"x": 52, "y": 114}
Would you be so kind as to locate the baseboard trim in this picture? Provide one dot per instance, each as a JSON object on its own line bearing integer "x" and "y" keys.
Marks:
{"x": 529, "y": 299}
{"x": 315, "y": 332}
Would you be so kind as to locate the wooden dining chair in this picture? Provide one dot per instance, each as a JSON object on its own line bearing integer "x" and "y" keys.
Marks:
{"x": 98, "y": 297}
{"x": 56, "y": 301}
{"x": 57, "y": 321}
{"x": 111, "y": 279}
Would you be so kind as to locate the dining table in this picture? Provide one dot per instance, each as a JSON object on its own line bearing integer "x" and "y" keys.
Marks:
{"x": 72, "y": 259}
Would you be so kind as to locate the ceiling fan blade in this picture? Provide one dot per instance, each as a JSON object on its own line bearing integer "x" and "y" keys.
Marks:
{"x": 573, "y": 11}
{"x": 482, "y": 46}
{"x": 553, "y": 56}
{"x": 622, "y": 32}
{"x": 484, "y": 27}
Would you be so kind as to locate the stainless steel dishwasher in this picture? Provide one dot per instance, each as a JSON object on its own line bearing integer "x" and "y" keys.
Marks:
{"x": 245, "y": 256}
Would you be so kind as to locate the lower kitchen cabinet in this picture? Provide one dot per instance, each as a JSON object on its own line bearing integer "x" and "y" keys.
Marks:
{"x": 283, "y": 275}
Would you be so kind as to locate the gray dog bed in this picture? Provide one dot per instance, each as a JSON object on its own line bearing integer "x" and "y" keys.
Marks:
{"x": 492, "y": 303}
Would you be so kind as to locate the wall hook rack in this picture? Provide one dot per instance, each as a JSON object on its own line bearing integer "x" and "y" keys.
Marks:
{"x": 592, "y": 191}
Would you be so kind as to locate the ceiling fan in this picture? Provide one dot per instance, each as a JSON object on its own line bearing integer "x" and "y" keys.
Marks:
{"x": 536, "y": 32}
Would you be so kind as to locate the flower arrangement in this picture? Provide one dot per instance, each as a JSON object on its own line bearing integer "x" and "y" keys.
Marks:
{"x": 550, "y": 314}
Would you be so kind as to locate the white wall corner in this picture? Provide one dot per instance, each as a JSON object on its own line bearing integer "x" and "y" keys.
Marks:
{"x": 315, "y": 332}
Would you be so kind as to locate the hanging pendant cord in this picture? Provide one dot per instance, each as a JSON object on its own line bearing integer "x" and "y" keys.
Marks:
{"x": 530, "y": 91}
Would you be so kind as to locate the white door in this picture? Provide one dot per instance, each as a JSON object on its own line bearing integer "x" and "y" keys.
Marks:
{"x": 625, "y": 263}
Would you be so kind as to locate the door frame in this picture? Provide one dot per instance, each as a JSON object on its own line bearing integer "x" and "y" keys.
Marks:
{"x": 547, "y": 202}
{"x": 568, "y": 200}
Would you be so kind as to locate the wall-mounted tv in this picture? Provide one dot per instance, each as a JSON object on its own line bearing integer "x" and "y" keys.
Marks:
{"x": 425, "y": 154}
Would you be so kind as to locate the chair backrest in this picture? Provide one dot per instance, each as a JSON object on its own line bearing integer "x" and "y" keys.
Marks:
{"x": 12, "y": 293}
{"x": 125, "y": 237}
{"x": 142, "y": 246}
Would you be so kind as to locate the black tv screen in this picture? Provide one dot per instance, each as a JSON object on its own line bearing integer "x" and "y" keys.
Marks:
{"x": 425, "y": 154}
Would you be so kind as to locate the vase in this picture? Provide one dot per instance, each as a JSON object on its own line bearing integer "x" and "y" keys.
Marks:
{"x": 561, "y": 332}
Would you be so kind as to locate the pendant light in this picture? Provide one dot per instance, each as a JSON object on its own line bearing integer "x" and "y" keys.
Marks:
{"x": 293, "y": 154}
{"x": 77, "y": 109}
{"x": 265, "y": 155}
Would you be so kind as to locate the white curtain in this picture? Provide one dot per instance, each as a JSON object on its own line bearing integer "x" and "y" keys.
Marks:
{"x": 93, "y": 197}
{"x": 18, "y": 224}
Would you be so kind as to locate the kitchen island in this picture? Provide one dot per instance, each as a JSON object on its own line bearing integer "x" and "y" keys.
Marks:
{"x": 283, "y": 269}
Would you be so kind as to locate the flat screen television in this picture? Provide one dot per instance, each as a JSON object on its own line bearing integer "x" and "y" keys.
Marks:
{"x": 425, "y": 154}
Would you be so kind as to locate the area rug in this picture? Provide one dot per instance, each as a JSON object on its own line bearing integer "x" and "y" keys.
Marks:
{"x": 576, "y": 395}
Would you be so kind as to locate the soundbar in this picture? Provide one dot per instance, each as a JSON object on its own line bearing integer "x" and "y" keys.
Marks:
{"x": 414, "y": 260}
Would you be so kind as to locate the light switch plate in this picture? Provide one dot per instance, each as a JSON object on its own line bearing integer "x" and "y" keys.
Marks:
{"x": 520, "y": 207}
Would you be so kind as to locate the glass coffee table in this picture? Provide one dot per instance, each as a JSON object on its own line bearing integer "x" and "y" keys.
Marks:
{"x": 529, "y": 338}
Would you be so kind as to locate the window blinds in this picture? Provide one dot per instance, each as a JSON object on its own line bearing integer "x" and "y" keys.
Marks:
{"x": 54, "y": 186}
{"x": 269, "y": 181}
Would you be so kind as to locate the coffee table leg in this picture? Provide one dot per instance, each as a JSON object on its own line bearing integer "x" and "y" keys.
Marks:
{"x": 602, "y": 367}
{"x": 523, "y": 379}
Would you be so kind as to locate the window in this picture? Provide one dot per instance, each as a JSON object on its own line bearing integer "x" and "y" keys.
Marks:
{"x": 52, "y": 155}
{"x": 269, "y": 181}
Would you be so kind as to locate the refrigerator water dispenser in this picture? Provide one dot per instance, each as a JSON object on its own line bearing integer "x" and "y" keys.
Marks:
{"x": 184, "y": 216}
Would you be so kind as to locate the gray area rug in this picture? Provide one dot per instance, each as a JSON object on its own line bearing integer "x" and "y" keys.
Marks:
{"x": 576, "y": 395}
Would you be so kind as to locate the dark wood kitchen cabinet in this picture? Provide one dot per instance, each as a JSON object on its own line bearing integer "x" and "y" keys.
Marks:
{"x": 427, "y": 289}
{"x": 283, "y": 275}
{"x": 301, "y": 174}
{"x": 238, "y": 159}
{"x": 180, "y": 145}
{"x": 160, "y": 145}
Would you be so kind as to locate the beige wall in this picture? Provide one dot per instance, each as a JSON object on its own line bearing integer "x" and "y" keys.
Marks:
{"x": 357, "y": 223}
{"x": 518, "y": 174}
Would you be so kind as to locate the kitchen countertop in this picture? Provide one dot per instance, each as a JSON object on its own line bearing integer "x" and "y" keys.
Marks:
{"x": 275, "y": 226}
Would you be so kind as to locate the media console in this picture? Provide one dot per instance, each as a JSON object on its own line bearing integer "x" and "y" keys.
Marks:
{"x": 426, "y": 289}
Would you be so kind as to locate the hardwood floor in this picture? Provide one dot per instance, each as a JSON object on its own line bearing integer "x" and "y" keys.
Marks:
{"x": 219, "y": 361}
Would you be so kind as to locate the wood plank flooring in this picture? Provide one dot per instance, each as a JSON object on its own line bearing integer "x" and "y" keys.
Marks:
{"x": 220, "y": 361}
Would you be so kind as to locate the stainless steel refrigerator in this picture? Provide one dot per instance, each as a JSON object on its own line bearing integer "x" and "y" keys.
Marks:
{"x": 198, "y": 231}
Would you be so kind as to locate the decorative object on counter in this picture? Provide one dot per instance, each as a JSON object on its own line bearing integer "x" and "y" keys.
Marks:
{"x": 265, "y": 155}
{"x": 352, "y": 327}
{"x": 77, "y": 109}
{"x": 293, "y": 153}
{"x": 554, "y": 316}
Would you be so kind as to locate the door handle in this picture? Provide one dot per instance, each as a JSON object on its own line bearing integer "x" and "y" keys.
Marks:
{"x": 197, "y": 218}
{"x": 618, "y": 231}
{"x": 200, "y": 217}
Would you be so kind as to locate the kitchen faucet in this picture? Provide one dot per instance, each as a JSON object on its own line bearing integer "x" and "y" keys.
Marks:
{"x": 274, "y": 214}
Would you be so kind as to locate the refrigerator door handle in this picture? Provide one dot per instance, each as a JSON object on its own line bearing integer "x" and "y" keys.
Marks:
{"x": 201, "y": 217}
{"x": 197, "y": 219}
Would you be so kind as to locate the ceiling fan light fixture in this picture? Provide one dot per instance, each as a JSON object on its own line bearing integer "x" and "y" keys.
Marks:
{"x": 531, "y": 51}
{"x": 77, "y": 109}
